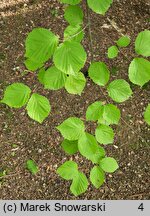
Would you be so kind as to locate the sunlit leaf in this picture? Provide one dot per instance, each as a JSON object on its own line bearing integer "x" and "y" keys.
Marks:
{"x": 142, "y": 43}
{"x": 79, "y": 184}
{"x": 99, "y": 73}
{"x": 72, "y": 128}
{"x": 38, "y": 107}
{"x": 109, "y": 164}
{"x": 16, "y": 95}
{"x": 99, "y": 6}
{"x": 70, "y": 57}
{"x": 139, "y": 71}
{"x": 75, "y": 84}
{"x": 68, "y": 170}
{"x": 97, "y": 176}
{"x": 104, "y": 134}
{"x": 74, "y": 15}
{"x": 119, "y": 90}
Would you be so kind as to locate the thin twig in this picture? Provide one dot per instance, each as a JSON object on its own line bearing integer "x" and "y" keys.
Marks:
{"x": 90, "y": 32}
{"x": 10, "y": 175}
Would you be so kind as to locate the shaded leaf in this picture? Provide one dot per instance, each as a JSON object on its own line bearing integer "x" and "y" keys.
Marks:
{"x": 70, "y": 147}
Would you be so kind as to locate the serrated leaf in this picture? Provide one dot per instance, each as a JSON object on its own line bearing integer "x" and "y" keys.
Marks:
{"x": 72, "y": 56}
{"x": 32, "y": 167}
{"x": 87, "y": 145}
{"x": 40, "y": 45}
{"x": 71, "y": 2}
{"x": 124, "y": 41}
{"x": 109, "y": 164}
{"x": 99, "y": 6}
{"x": 147, "y": 114}
{"x": 96, "y": 157}
{"x": 97, "y": 176}
{"x": 142, "y": 43}
{"x": 38, "y": 107}
{"x": 139, "y": 71}
{"x": 79, "y": 184}
{"x": 16, "y": 95}
{"x": 68, "y": 170}
{"x": 70, "y": 147}
{"x": 73, "y": 33}
{"x": 32, "y": 65}
{"x": 72, "y": 128}
{"x": 111, "y": 114}
{"x": 112, "y": 52}
{"x": 75, "y": 84}
{"x": 99, "y": 73}
{"x": 119, "y": 90}
{"x": 52, "y": 78}
{"x": 94, "y": 111}
{"x": 74, "y": 15}
{"x": 104, "y": 134}
{"x": 41, "y": 75}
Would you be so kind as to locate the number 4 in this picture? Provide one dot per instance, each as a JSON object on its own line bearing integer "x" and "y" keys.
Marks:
{"x": 141, "y": 207}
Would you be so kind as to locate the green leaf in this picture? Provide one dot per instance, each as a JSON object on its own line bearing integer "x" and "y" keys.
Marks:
{"x": 109, "y": 164}
{"x": 97, "y": 176}
{"x": 112, "y": 52}
{"x": 16, "y": 95}
{"x": 99, "y": 73}
{"x": 111, "y": 114}
{"x": 124, "y": 41}
{"x": 75, "y": 84}
{"x": 96, "y": 157}
{"x": 99, "y": 6}
{"x": 73, "y": 33}
{"x": 142, "y": 43}
{"x": 70, "y": 147}
{"x": 32, "y": 167}
{"x": 139, "y": 71}
{"x": 38, "y": 107}
{"x": 72, "y": 56}
{"x": 104, "y": 134}
{"x": 41, "y": 75}
{"x": 147, "y": 114}
{"x": 74, "y": 15}
{"x": 119, "y": 90}
{"x": 79, "y": 184}
{"x": 53, "y": 78}
{"x": 40, "y": 45}
{"x": 68, "y": 170}
{"x": 87, "y": 145}
{"x": 94, "y": 111}
{"x": 71, "y": 2}
{"x": 32, "y": 65}
{"x": 72, "y": 128}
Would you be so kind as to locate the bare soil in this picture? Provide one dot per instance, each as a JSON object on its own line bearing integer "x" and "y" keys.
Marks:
{"x": 42, "y": 142}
